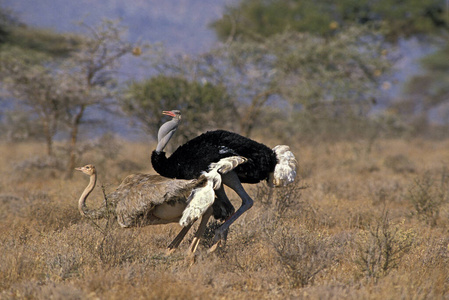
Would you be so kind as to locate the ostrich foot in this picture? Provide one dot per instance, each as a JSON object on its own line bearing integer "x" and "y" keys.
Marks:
{"x": 219, "y": 239}
{"x": 190, "y": 259}
{"x": 169, "y": 251}
{"x": 215, "y": 246}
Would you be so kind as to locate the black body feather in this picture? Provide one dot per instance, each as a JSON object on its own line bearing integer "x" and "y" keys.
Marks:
{"x": 195, "y": 156}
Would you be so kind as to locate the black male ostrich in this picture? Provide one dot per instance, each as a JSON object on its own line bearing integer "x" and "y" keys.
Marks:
{"x": 277, "y": 165}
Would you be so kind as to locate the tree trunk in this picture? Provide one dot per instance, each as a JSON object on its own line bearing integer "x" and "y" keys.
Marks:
{"x": 72, "y": 142}
{"x": 253, "y": 112}
{"x": 48, "y": 138}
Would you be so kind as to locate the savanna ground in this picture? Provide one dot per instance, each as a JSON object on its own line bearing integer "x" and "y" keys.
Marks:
{"x": 365, "y": 221}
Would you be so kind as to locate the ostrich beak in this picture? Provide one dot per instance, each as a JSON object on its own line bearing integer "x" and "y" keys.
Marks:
{"x": 169, "y": 113}
{"x": 79, "y": 169}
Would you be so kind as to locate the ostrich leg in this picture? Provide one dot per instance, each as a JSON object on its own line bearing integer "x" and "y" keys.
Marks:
{"x": 224, "y": 200}
{"x": 190, "y": 259}
{"x": 200, "y": 231}
{"x": 225, "y": 204}
{"x": 177, "y": 240}
{"x": 232, "y": 180}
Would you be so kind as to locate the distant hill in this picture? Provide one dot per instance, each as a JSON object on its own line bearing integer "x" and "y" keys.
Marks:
{"x": 181, "y": 25}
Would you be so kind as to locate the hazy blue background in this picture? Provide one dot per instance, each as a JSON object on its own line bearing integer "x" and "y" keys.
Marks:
{"x": 182, "y": 25}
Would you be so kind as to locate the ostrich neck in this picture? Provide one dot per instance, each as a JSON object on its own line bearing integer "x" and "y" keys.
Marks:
{"x": 82, "y": 201}
{"x": 165, "y": 134}
{"x": 161, "y": 145}
{"x": 159, "y": 162}
{"x": 164, "y": 141}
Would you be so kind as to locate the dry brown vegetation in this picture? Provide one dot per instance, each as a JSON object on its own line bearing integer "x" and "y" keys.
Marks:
{"x": 365, "y": 222}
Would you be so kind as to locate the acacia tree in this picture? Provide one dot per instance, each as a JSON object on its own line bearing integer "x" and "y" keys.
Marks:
{"x": 258, "y": 19}
{"x": 428, "y": 90}
{"x": 331, "y": 70}
{"x": 60, "y": 91}
{"x": 241, "y": 70}
{"x": 326, "y": 79}
{"x": 29, "y": 60}
{"x": 90, "y": 77}
{"x": 289, "y": 72}
{"x": 36, "y": 87}
{"x": 337, "y": 76}
{"x": 224, "y": 88}
{"x": 248, "y": 71}
{"x": 203, "y": 105}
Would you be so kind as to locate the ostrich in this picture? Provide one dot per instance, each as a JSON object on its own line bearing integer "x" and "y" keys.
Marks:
{"x": 143, "y": 199}
{"x": 277, "y": 165}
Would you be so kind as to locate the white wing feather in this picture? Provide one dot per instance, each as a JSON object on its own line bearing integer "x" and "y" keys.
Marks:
{"x": 202, "y": 198}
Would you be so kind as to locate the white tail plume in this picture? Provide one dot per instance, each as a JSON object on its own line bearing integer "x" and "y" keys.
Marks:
{"x": 202, "y": 198}
{"x": 285, "y": 170}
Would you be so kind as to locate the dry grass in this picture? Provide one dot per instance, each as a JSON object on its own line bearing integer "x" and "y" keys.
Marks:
{"x": 359, "y": 225}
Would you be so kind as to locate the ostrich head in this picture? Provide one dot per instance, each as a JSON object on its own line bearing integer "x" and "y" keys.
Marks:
{"x": 168, "y": 129}
{"x": 87, "y": 169}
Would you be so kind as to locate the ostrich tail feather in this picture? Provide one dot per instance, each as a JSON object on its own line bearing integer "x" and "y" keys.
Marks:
{"x": 285, "y": 170}
{"x": 203, "y": 197}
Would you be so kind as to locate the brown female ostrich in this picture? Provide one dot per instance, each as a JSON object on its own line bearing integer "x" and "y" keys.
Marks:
{"x": 143, "y": 199}
{"x": 277, "y": 166}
